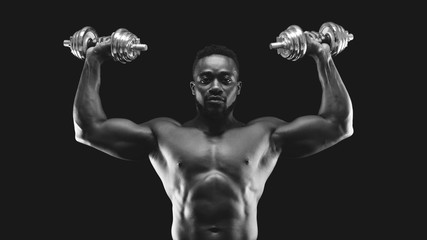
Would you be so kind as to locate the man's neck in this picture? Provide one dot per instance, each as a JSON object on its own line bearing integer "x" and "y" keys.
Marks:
{"x": 215, "y": 125}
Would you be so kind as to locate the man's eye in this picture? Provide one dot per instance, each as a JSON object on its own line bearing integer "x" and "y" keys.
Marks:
{"x": 227, "y": 79}
{"x": 204, "y": 79}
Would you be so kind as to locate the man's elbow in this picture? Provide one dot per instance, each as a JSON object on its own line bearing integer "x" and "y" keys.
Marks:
{"x": 348, "y": 132}
{"x": 346, "y": 128}
{"x": 80, "y": 135}
{"x": 82, "y": 127}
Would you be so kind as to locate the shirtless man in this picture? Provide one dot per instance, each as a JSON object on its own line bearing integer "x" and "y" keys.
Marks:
{"x": 213, "y": 167}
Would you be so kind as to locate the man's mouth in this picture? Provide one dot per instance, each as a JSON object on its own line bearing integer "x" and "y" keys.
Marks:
{"x": 215, "y": 99}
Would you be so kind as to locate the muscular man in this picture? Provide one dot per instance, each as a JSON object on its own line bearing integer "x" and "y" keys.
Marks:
{"x": 213, "y": 167}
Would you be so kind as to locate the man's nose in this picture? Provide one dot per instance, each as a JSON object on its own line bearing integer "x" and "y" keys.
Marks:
{"x": 216, "y": 88}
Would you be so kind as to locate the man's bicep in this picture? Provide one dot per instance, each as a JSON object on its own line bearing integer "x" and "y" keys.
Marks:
{"x": 305, "y": 136}
{"x": 122, "y": 138}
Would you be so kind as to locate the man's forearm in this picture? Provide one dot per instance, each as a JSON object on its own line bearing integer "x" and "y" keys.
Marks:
{"x": 87, "y": 104}
{"x": 336, "y": 102}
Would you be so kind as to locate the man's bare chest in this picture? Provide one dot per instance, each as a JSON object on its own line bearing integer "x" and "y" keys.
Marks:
{"x": 233, "y": 149}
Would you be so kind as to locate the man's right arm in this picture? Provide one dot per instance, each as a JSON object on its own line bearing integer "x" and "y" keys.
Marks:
{"x": 120, "y": 138}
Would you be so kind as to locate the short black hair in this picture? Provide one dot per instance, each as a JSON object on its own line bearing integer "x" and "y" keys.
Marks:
{"x": 216, "y": 49}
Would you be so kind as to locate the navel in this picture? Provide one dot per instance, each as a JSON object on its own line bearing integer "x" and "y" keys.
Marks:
{"x": 214, "y": 229}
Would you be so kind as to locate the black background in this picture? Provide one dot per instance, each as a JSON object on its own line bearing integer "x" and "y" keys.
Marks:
{"x": 69, "y": 190}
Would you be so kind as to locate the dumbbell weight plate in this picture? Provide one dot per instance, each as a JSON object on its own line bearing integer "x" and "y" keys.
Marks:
{"x": 296, "y": 44}
{"x": 336, "y": 36}
{"x": 291, "y": 43}
{"x": 82, "y": 40}
{"x": 121, "y": 45}
{"x": 327, "y": 30}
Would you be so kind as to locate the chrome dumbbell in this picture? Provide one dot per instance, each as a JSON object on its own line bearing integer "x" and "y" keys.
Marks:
{"x": 292, "y": 43}
{"x": 125, "y": 46}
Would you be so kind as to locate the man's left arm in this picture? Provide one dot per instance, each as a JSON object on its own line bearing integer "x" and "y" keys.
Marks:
{"x": 310, "y": 134}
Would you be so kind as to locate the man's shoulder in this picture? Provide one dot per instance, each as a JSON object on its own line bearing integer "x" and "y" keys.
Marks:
{"x": 161, "y": 122}
{"x": 267, "y": 121}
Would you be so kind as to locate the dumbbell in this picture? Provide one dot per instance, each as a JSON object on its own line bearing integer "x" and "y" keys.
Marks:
{"x": 292, "y": 43}
{"x": 125, "y": 46}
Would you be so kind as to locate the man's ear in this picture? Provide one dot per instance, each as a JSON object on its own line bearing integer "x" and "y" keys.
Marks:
{"x": 239, "y": 87}
{"x": 192, "y": 87}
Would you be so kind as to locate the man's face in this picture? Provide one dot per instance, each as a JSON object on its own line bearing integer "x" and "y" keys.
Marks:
{"x": 215, "y": 84}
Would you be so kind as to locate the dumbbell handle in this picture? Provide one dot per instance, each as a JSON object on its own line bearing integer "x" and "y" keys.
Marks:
{"x": 274, "y": 45}
{"x": 138, "y": 47}
{"x": 323, "y": 39}
{"x": 67, "y": 43}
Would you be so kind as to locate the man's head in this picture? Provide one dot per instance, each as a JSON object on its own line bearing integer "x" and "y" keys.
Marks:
{"x": 215, "y": 82}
